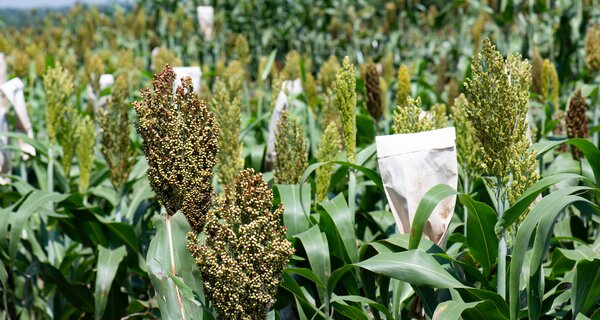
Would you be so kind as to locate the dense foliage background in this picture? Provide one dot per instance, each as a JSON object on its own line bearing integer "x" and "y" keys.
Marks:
{"x": 77, "y": 247}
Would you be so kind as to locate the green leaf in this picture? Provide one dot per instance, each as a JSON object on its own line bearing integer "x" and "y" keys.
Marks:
{"x": 125, "y": 233}
{"x": 426, "y": 206}
{"x": 306, "y": 273}
{"x": 77, "y": 294}
{"x": 413, "y": 266}
{"x": 547, "y": 209}
{"x": 452, "y": 310}
{"x": 481, "y": 239}
{"x": 343, "y": 220}
{"x": 586, "y": 286}
{"x": 293, "y": 216}
{"x": 168, "y": 252}
{"x": 516, "y": 210}
{"x": 142, "y": 193}
{"x": 3, "y": 280}
{"x": 359, "y": 299}
{"x": 108, "y": 263}
{"x": 317, "y": 250}
{"x": 269, "y": 65}
{"x": 591, "y": 153}
{"x": 34, "y": 200}
{"x": 474, "y": 295}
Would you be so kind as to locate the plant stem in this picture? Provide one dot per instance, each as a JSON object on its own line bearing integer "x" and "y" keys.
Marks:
{"x": 467, "y": 190}
{"x": 352, "y": 190}
{"x": 595, "y": 119}
{"x": 50, "y": 170}
{"x": 501, "y": 277}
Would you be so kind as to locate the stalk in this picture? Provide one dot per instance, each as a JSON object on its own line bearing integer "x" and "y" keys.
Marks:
{"x": 595, "y": 102}
{"x": 23, "y": 170}
{"x": 50, "y": 170}
{"x": 352, "y": 190}
{"x": 467, "y": 190}
{"x": 501, "y": 277}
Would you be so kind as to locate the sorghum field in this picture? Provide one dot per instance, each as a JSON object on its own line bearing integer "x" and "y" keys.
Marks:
{"x": 306, "y": 159}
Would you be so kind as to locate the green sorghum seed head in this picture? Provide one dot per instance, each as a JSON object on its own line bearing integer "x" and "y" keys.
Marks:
{"x": 291, "y": 156}
{"x": 345, "y": 85}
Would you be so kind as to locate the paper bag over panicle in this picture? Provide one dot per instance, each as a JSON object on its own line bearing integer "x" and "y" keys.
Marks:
{"x": 410, "y": 165}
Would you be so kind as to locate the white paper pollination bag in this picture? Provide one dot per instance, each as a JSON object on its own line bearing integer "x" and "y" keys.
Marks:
{"x": 206, "y": 19}
{"x": 410, "y": 165}
{"x": 193, "y": 72}
{"x": 13, "y": 90}
{"x": 106, "y": 81}
{"x": 4, "y": 153}
{"x": 293, "y": 88}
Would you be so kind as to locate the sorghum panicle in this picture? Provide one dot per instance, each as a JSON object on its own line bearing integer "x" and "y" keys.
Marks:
{"x": 180, "y": 143}
{"x": 58, "y": 86}
{"x": 163, "y": 57}
{"x": 550, "y": 85}
{"x": 498, "y": 96}
{"x": 245, "y": 249}
{"x": 310, "y": 91}
{"x": 577, "y": 121}
{"x": 468, "y": 147}
{"x": 225, "y": 105}
{"x": 114, "y": 133}
{"x": 86, "y": 141}
{"x": 592, "y": 48}
{"x": 345, "y": 83}
{"x": 438, "y": 115}
{"x": 327, "y": 74}
{"x": 290, "y": 151}
{"x": 403, "y": 86}
{"x": 292, "y": 71}
{"x": 328, "y": 150}
{"x": 411, "y": 118}
{"x": 373, "y": 91}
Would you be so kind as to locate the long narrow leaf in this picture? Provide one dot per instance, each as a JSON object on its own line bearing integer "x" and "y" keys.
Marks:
{"x": 414, "y": 266}
{"x": 108, "y": 263}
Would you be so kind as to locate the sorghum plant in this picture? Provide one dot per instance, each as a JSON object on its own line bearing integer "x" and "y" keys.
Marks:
{"x": 58, "y": 86}
{"x": 478, "y": 28}
{"x": 468, "y": 148}
{"x": 373, "y": 91}
{"x": 164, "y": 57}
{"x": 291, "y": 70}
{"x": 86, "y": 140}
{"x": 387, "y": 67}
{"x": 310, "y": 90}
{"x": 549, "y": 83}
{"x": 345, "y": 85}
{"x": 291, "y": 151}
{"x": 403, "y": 86}
{"x": 452, "y": 92}
{"x": 438, "y": 115}
{"x": 328, "y": 150}
{"x": 94, "y": 68}
{"x": 537, "y": 64}
{"x": 498, "y": 102}
{"x": 225, "y": 105}
{"x": 114, "y": 133}
{"x": 327, "y": 74}
{"x": 61, "y": 115}
{"x": 592, "y": 48}
{"x": 577, "y": 121}
{"x": 411, "y": 118}
{"x": 180, "y": 143}
{"x": 245, "y": 249}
